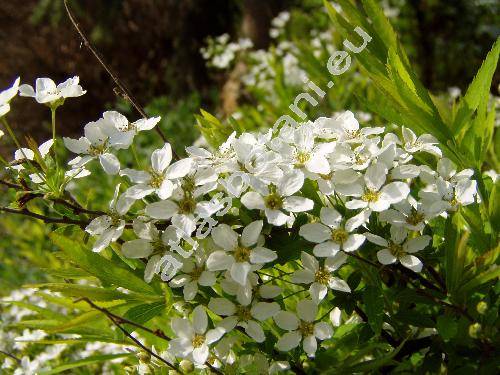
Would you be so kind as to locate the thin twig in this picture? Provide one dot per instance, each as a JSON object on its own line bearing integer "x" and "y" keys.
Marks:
{"x": 126, "y": 93}
{"x": 46, "y": 219}
{"x": 11, "y": 185}
{"x": 11, "y": 356}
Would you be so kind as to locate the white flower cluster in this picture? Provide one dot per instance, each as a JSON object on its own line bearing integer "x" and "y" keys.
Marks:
{"x": 210, "y": 224}
{"x": 221, "y": 53}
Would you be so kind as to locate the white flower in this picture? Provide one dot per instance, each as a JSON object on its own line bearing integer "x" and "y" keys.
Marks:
{"x": 121, "y": 132}
{"x": 46, "y": 90}
{"x": 302, "y": 328}
{"x": 245, "y": 316}
{"x": 109, "y": 227}
{"x": 158, "y": 178}
{"x": 408, "y": 213}
{"x": 425, "y": 142}
{"x": 193, "y": 338}
{"x": 95, "y": 144}
{"x": 399, "y": 248}
{"x": 321, "y": 278}
{"x": 193, "y": 273}
{"x": 376, "y": 196}
{"x": 6, "y": 96}
{"x": 150, "y": 240}
{"x": 242, "y": 254}
{"x": 331, "y": 236}
{"x": 24, "y": 154}
{"x": 345, "y": 128}
{"x": 275, "y": 198}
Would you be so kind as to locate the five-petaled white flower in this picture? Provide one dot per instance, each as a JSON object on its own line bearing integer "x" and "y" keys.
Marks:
{"x": 331, "y": 236}
{"x": 95, "y": 145}
{"x": 193, "y": 338}
{"x": 399, "y": 248}
{"x": 275, "y": 198}
{"x": 158, "y": 178}
{"x": 321, "y": 278}
{"x": 193, "y": 274}
{"x": 46, "y": 90}
{"x": 242, "y": 254}
{"x": 244, "y": 315}
{"x": 302, "y": 328}
{"x": 6, "y": 96}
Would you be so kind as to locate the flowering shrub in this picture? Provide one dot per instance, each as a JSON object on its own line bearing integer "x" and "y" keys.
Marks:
{"x": 318, "y": 248}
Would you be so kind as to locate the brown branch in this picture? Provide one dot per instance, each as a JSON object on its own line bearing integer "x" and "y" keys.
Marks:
{"x": 11, "y": 185}
{"x": 11, "y": 356}
{"x": 118, "y": 320}
{"x": 117, "y": 323}
{"x": 125, "y": 92}
{"x": 46, "y": 219}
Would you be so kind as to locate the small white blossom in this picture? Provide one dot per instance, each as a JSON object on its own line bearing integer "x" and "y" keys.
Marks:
{"x": 47, "y": 92}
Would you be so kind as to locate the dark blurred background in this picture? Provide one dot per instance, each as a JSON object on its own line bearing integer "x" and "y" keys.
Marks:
{"x": 154, "y": 45}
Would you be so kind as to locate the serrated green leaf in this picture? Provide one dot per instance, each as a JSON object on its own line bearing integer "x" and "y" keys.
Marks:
{"x": 374, "y": 307}
{"x": 100, "y": 267}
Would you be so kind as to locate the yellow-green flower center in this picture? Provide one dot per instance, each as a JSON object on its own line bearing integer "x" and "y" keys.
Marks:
{"x": 198, "y": 341}
{"x": 370, "y": 196}
{"x": 156, "y": 179}
{"x": 322, "y": 276}
{"x": 396, "y": 250}
{"x": 242, "y": 254}
{"x": 196, "y": 273}
{"x": 273, "y": 201}
{"x": 306, "y": 328}
{"x": 97, "y": 150}
{"x": 187, "y": 205}
{"x": 339, "y": 235}
{"x": 243, "y": 313}
{"x": 302, "y": 158}
{"x": 415, "y": 218}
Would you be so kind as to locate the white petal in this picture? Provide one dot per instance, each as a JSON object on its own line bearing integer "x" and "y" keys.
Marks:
{"x": 207, "y": 278}
{"x": 161, "y": 158}
{"x": 307, "y": 310}
{"x": 411, "y": 262}
{"x": 182, "y": 328}
{"x": 358, "y": 220}
{"x": 297, "y": 204}
{"x": 222, "y": 306}
{"x": 356, "y": 204}
{"x": 200, "y": 355}
{"x": 384, "y": 256}
{"x": 77, "y": 146}
{"x": 255, "y": 331}
{"x": 138, "y": 248}
{"x": 335, "y": 262}
{"x": 253, "y": 200}
{"x": 214, "y": 335}
{"x": 394, "y": 192}
{"x": 375, "y": 176}
{"x": 219, "y": 261}
{"x": 225, "y": 237}
{"x": 289, "y": 341}
{"x": 264, "y": 310}
{"x": 200, "y": 319}
{"x": 135, "y": 176}
{"x": 318, "y": 292}
{"x": 239, "y": 272}
{"x": 261, "y": 255}
{"x": 190, "y": 290}
{"x": 291, "y": 183}
{"x": 276, "y": 217}
{"x": 417, "y": 243}
{"x": 318, "y": 164}
{"x": 286, "y": 320}
{"x": 377, "y": 240}
{"x": 179, "y": 168}
{"x": 147, "y": 124}
{"x": 251, "y": 233}
{"x": 353, "y": 242}
{"x": 326, "y": 249}
{"x": 138, "y": 191}
{"x": 315, "y": 232}
{"x": 309, "y": 262}
{"x": 310, "y": 345}
{"x": 269, "y": 291}
{"x": 323, "y": 330}
{"x": 161, "y": 210}
{"x": 338, "y": 284}
{"x": 330, "y": 216}
{"x": 110, "y": 163}
{"x": 303, "y": 277}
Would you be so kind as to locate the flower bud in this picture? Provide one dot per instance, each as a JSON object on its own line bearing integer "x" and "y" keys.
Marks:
{"x": 474, "y": 330}
{"x": 482, "y": 307}
{"x": 186, "y": 366}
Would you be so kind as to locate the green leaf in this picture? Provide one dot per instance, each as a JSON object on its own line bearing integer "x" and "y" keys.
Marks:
{"x": 480, "y": 87}
{"x": 374, "y": 307}
{"x": 447, "y": 327}
{"x": 143, "y": 313}
{"x": 107, "y": 271}
{"x": 85, "y": 362}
